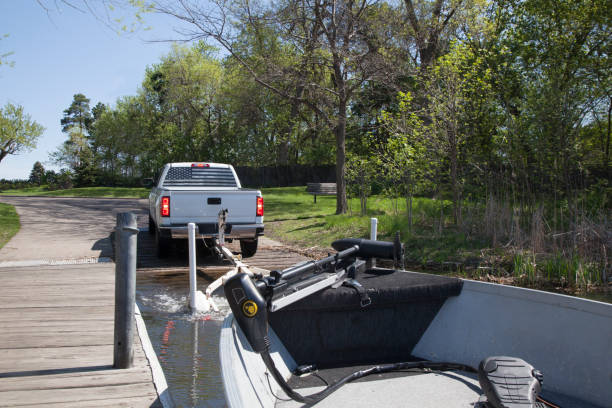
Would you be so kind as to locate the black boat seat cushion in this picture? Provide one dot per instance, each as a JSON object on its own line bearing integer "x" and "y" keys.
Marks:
{"x": 332, "y": 329}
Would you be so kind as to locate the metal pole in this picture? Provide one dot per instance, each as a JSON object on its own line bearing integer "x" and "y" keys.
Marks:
{"x": 192, "y": 266}
{"x": 126, "y": 235}
{"x": 373, "y": 233}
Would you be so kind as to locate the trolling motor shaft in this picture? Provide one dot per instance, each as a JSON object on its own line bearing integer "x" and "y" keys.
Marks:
{"x": 249, "y": 309}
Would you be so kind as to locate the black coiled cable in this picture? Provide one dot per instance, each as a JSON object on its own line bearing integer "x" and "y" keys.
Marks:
{"x": 383, "y": 368}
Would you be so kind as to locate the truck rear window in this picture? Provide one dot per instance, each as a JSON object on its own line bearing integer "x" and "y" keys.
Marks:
{"x": 200, "y": 177}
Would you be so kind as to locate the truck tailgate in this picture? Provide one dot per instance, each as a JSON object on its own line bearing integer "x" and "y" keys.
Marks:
{"x": 204, "y": 207}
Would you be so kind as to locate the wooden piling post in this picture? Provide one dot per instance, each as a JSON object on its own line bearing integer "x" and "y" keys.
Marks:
{"x": 126, "y": 235}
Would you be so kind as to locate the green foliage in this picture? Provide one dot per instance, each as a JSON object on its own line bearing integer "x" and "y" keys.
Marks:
{"x": 360, "y": 174}
{"x": 18, "y": 132}
{"x": 61, "y": 180}
{"x": 9, "y": 223}
{"x": 470, "y": 101}
{"x": 308, "y": 224}
{"x": 37, "y": 175}
{"x": 76, "y": 151}
{"x": 402, "y": 154}
{"x": 557, "y": 270}
{"x": 77, "y": 115}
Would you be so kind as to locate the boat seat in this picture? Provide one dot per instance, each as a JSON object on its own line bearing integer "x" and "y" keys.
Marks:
{"x": 331, "y": 328}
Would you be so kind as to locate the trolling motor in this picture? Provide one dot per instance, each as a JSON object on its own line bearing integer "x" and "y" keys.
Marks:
{"x": 251, "y": 297}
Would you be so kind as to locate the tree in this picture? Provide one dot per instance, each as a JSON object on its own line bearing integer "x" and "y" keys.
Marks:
{"x": 37, "y": 175}
{"x": 360, "y": 173}
{"x": 185, "y": 87}
{"x": 403, "y": 152}
{"x": 77, "y": 115}
{"x": 457, "y": 87}
{"x": 18, "y": 132}
{"x": 558, "y": 57}
{"x": 335, "y": 38}
{"x": 76, "y": 122}
{"x": 431, "y": 22}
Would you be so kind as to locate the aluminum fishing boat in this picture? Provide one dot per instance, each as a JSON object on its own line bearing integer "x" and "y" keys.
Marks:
{"x": 334, "y": 333}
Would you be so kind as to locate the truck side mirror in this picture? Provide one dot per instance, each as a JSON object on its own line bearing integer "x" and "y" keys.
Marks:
{"x": 147, "y": 182}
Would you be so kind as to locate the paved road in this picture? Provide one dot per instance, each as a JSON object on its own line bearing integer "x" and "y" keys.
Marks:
{"x": 66, "y": 228}
{"x": 57, "y": 229}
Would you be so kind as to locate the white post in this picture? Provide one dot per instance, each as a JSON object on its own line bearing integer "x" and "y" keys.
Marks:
{"x": 373, "y": 232}
{"x": 192, "y": 266}
{"x": 198, "y": 302}
{"x": 373, "y": 228}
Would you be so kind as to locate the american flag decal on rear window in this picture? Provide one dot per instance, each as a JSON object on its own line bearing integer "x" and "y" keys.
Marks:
{"x": 200, "y": 177}
{"x": 179, "y": 173}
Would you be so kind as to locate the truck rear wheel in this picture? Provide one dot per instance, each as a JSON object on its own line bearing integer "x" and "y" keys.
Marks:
{"x": 163, "y": 244}
{"x": 151, "y": 226}
{"x": 248, "y": 247}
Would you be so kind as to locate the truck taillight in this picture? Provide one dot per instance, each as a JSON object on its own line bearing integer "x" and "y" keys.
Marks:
{"x": 259, "y": 212}
{"x": 165, "y": 206}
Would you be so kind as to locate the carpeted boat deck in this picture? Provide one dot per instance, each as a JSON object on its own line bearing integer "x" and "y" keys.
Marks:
{"x": 407, "y": 389}
{"x": 402, "y": 389}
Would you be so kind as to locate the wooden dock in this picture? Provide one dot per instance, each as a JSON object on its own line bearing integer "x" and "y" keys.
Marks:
{"x": 56, "y": 341}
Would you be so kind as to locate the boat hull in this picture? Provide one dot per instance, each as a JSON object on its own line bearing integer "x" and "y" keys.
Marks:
{"x": 569, "y": 339}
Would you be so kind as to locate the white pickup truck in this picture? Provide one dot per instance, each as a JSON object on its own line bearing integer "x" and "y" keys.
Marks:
{"x": 197, "y": 192}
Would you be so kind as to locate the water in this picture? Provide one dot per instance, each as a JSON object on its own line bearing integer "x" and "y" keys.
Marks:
{"x": 186, "y": 345}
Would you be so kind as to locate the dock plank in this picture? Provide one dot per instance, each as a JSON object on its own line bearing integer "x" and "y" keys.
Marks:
{"x": 56, "y": 341}
{"x": 149, "y": 401}
{"x": 77, "y": 379}
{"x": 63, "y": 395}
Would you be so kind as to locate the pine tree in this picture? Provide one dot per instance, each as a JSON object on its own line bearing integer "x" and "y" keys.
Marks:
{"x": 37, "y": 175}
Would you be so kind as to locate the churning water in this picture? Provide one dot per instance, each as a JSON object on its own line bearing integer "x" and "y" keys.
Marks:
{"x": 186, "y": 345}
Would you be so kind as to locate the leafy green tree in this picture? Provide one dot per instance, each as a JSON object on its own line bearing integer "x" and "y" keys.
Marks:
{"x": 403, "y": 154}
{"x": 360, "y": 174}
{"x": 552, "y": 73}
{"x": 73, "y": 151}
{"x": 37, "y": 175}
{"x": 18, "y": 132}
{"x": 458, "y": 85}
{"x": 335, "y": 38}
{"x": 432, "y": 24}
{"x": 187, "y": 84}
{"x": 61, "y": 180}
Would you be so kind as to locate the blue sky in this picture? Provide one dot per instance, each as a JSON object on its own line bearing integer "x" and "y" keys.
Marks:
{"x": 64, "y": 53}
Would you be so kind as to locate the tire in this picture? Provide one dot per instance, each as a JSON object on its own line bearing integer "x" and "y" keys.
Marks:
{"x": 163, "y": 245}
{"x": 151, "y": 226}
{"x": 248, "y": 247}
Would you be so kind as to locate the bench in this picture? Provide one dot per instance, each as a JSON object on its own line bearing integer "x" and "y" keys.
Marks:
{"x": 321, "y": 189}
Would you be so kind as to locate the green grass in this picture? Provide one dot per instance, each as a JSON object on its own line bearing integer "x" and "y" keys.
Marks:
{"x": 9, "y": 223}
{"x": 104, "y": 192}
{"x": 292, "y": 216}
